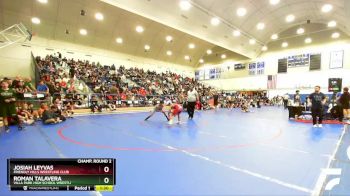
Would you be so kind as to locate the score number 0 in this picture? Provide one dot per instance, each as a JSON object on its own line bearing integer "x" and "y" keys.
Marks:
{"x": 106, "y": 170}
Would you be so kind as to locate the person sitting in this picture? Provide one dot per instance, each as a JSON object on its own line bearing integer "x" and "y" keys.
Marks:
{"x": 94, "y": 105}
{"x": 25, "y": 115}
{"x": 50, "y": 117}
{"x": 33, "y": 112}
{"x": 59, "y": 113}
{"x": 245, "y": 106}
{"x": 42, "y": 88}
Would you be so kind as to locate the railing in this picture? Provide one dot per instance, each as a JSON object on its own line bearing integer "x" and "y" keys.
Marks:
{"x": 35, "y": 71}
{"x": 85, "y": 100}
{"x": 34, "y": 98}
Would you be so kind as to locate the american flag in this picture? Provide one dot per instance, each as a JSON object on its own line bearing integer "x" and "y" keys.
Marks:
{"x": 271, "y": 81}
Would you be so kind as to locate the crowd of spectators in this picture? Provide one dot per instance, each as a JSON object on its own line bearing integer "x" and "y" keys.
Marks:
{"x": 114, "y": 86}
{"x": 63, "y": 84}
{"x": 120, "y": 86}
{"x": 22, "y": 103}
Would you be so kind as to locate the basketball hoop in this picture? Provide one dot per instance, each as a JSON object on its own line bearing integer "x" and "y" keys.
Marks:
{"x": 14, "y": 34}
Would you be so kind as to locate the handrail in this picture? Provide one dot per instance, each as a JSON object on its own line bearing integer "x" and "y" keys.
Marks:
{"x": 36, "y": 70}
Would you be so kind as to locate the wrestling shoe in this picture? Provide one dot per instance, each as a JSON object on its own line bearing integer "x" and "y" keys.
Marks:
{"x": 315, "y": 126}
{"x": 170, "y": 122}
{"x": 320, "y": 125}
{"x": 20, "y": 128}
{"x": 7, "y": 129}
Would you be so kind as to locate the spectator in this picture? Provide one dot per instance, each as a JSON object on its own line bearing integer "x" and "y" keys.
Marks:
{"x": 7, "y": 105}
{"x": 50, "y": 117}
{"x": 344, "y": 101}
{"x": 42, "y": 88}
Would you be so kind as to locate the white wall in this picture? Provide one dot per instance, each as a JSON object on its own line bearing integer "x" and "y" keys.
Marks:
{"x": 15, "y": 59}
{"x": 243, "y": 83}
{"x": 300, "y": 77}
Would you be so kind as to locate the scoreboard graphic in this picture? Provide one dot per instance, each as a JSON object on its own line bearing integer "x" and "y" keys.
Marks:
{"x": 85, "y": 174}
{"x": 334, "y": 84}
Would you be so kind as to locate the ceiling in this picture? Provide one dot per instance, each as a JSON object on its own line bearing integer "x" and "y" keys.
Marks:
{"x": 196, "y": 20}
{"x": 57, "y": 16}
{"x": 319, "y": 33}
{"x": 164, "y": 17}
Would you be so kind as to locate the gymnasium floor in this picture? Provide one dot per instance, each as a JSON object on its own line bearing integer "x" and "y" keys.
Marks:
{"x": 217, "y": 153}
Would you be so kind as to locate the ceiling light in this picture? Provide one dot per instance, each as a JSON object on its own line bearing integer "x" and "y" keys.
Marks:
{"x": 241, "y": 11}
{"x": 264, "y": 48}
{"x": 119, "y": 40}
{"x": 260, "y": 26}
{"x": 308, "y": 40}
{"x": 169, "y": 38}
{"x": 223, "y": 56}
{"x": 191, "y": 46}
{"x": 209, "y": 51}
{"x": 332, "y": 23}
{"x": 83, "y": 31}
{"x": 215, "y": 21}
{"x": 185, "y": 5}
{"x": 274, "y": 2}
{"x": 169, "y": 53}
{"x": 42, "y": 1}
{"x": 99, "y": 16}
{"x": 252, "y": 41}
{"x": 300, "y": 31}
{"x": 201, "y": 61}
{"x": 335, "y": 35}
{"x": 236, "y": 33}
{"x": 35, "y": 20}
{"x": 139, "y": 29}
{"x": 290, "y": 18}
{"x": 274, "y": 36}
{"x": 187, "y": 57}
{"x": 147, "y": 47}
{"x": 285, "y": 44}
{"x": 327, "y": 8}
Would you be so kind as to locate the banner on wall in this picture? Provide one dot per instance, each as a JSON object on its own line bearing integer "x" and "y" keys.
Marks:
{"x": 218, "y": 73}
{"x": 208, "y": 74}
{"x": 252, "y": 68}
{"x": 239, "y": 66}
{"x": 336, "y": 59}
{"x": 256, "y": 68}
{"x": 260, "y": 68}
{"x": 301, "y": 60}
{"x": 212, "y": 73}
{"x": 201, "y": 75}
{"x": 196, "y": 75}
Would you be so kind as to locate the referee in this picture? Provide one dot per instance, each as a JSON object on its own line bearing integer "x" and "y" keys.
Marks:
{"x": 192, "y": 97}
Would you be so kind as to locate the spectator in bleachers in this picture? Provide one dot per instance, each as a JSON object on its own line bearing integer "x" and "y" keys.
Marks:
{"x": 42, "y": 88}
{"x": 50, "y": 117}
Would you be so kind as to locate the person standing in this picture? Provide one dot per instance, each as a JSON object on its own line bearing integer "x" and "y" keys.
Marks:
{"x": 8, "y": 105}
{"x": 285, "y": 100}
{"x": 192, "y": 97}
{"x": 344, "y": 101}
{"x": 216, "y": 100}
{"x": 297, "y": 98}
{"x": 317, "y": 99}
